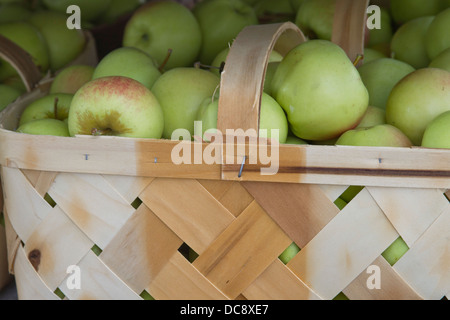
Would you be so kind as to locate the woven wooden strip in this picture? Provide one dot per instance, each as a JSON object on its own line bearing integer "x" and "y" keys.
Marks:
{"x": 179, "y": 280}
{"x": 426, "y": 266}
{"x": 28, "y": 283}
{"x": 344, "y": 247}
{"x": 24, "y": 202}
{"x": 56, "y": 244}
{"x": 98, "y": 282}
{"x": 392, "y": 285}
{"x": 41, "y": 180}
{"x": 141, "y": 249}
{"x": 176, "y": 203}
{"x": 94, "y": 205}
{"x": 5, "y": 277}
{"x": 129, "y": 187}
{"x": 278, "y": 282}
{"x": 410, "y": 210}
{"x": 243, "y": 251}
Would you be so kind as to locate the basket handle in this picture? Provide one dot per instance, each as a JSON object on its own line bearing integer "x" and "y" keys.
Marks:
{"x": 243, "y": 76}
{"x": 21, "y": 61}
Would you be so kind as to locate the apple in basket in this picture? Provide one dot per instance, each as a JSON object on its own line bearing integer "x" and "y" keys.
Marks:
{"x": 115, "y": 106}
{"x": 51, "y": 106}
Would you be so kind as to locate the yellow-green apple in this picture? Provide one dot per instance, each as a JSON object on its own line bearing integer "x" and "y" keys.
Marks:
{"x": 437, "y": 133}
{"x": 48, "y": 127}
{"x": 395, "y": 251}
{"x": 160, "y": 26}
{"x": 13, "y": 12}
{"x": 29, "y": 39}
{"x": 291, "y": 139}
{"x": 53, "y": 106}
{"x": 373, "y": 116}
{"x": 16, "y": 82}
{"x": 8, "y": 95}
{"x": 437, "y": 36}
{"x": 350, "y": 193}
{"x": 129, "y": 62}
{"x": 90, "y": 10}
{"x": 116, "y": 106}
{"x": 403, "y": 11}
{"x": 320, "y": 90}
{"x": 442, "y": 61}
{"x": 296, "y": 4}
{"x": 180, "y": 92}
{"x": 289, "y": 253}
{"x": 72, "y": 78}
{"x": 380, "y": 76}
{"x": 417, "y": 99}
{"x": 382, "y": 135}
{"x": 408, "y": 42}
{"x": 272, "y": 119}
{"x": 384, "y": 34}
{"x": 220, "y": 22}
{"x": 64, "y": 44}
{"x": 315, "y": 18}
{"x": 119, "y": 8}
{"x": 269, "y": 11}
{"x": 371, "y": 54}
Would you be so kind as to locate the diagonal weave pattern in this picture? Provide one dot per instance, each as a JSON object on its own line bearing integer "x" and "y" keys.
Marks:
{"x": 139, "y": 224}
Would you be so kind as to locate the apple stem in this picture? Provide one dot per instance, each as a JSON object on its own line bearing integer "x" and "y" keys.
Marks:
{"x": 163, "y": 65}
{"x": 198, "y": 64}
{"x": 359, "y": 57}
{"x": 101, "y": 132}
{"x": 55, "y": 107}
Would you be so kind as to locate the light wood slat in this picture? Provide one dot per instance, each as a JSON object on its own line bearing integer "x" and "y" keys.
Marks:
{"x": 93, "y": 205}
{"x": 5, "y": 277}
{"x": 41, "y": 180}
{"x": 426, "y": 265}
{"x": 410, "y": 210}
{"x": 392, "y": 286}
{"x": 98, "y": 282}
{"x": 177, "y": 203}
{"x": 141, "y": 249}
{"x": 243, "y": 251}
{"x": 60, "y": 244}
{"x": 277, "y": 282}
{"x": 129, "y": 187}
{"x": 28, "y": 283}
{"x": 300, "y": 210}
{"x": 179, "y": 280}
{"x": 345, "y": 247}
{"x": 333, "y": 191}
{"x": 232, "y": 195}
{"x": 24, "y": 202}
{"x": 13, "y": 242}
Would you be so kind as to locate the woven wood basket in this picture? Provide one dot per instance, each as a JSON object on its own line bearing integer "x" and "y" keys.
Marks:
{"x": 124, "y": 212}
{"x": 31, "y": 75}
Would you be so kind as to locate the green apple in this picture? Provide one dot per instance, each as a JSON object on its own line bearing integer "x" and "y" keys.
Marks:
{"x": 417, "y": 99}
{"x": 350, "y": 193}
{"x": 13, "y": 12}
{"x": 442, "y": 61}
{"x": 90, "y": 10}
{"x": 289, "y": 253}
{"x": 269, "y": 11}
{"x": 380, "y": 76}
{"x": 72, "y": 78}
{"x": 385, "y": 33}
{"x": 180, "y": 92}
{"x": 8, "y": 95}
{"x": 403, "y": 11}
{"x": 371, "y": 54}
{"x": 437, "y": 37}
{"x": 116, "y": 106}
{"x": 437, "y": 133}
{"x": 291, "y": 139}
{"x": 320, "y": 90}
{"x": 16, "y": 82}
{"x": 270, "y": 72}
{"x": 373, "y": 116}
{"x": 220, "y": 22}
{"x": 49, "y": 127}
{"x": 119, "y": 8}
{"x": 272, "y": 118}
{"x": 382, "y": 135}
{"x": 53, "y": 106}
{"x": 160, "y": 26}
{"x": 296, "y": 4}
{"x": 64, "y": 44}
{"x": 129, "y": 62}
{"x": 395, "y": 251}
{"x": 408, "y": 42}
{"x": 29, "y": 39}
{"x": 340, "y": 203}
{"x": 315, "y": 18}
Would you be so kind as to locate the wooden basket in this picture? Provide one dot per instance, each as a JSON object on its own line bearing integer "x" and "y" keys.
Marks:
{"x": 125, "y": 212}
